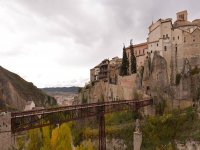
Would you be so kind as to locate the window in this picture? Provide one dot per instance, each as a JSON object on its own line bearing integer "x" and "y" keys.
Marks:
{"x": 151, "y": 51}
{"x": 184, "y": 39}
{"x": 163, "y": 36}
{"x": 193, "y": 40}
{"x": 143, "y": 51}
{"x": 157, "y": 44}
{"x": 165, "y": 48}
{"x": 176, "y": 49}
{"x": 178, "y": 37}
{"x": 167, "y": 35}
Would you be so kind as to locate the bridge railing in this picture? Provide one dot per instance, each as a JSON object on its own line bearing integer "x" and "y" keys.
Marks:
{"x": 21, "y": 121}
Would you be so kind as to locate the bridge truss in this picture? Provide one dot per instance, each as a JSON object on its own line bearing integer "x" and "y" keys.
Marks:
{"x": 21, "y": 121}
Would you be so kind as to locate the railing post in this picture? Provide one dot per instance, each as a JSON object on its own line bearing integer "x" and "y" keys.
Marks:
{"x": 102, "y": 134}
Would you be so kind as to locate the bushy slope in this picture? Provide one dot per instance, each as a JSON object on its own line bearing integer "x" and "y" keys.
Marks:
{"x": 72, "y": 89}
{"x": 15, "y": 91}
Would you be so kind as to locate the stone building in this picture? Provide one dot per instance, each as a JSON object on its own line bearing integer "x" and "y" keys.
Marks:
{"x": 94, "y": 74}
{"x": 103, "y": 72}
{"x": 106, "y": 71}
{"x": 5, "y": 128}
{"x": 114, "y": 68}
{"x": 29, "y": 105}
{"x": 176, "y": 42}
{"x": 140, "y": 51}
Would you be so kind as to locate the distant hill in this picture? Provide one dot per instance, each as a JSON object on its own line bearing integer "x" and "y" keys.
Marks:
{"x": 72, "y": 89}
{"x": 15, "y": 91}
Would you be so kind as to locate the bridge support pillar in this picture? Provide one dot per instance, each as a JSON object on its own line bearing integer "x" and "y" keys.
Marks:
{"x": 137, "y": 137}
{"x": 102, "y": 134}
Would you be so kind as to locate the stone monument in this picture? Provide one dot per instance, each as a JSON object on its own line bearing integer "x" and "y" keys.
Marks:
{"x": 137, "y": 136}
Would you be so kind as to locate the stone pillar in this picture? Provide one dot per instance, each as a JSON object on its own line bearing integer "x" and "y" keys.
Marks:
{"x": 5, "y": 128}
{"x": 137, "y": 137}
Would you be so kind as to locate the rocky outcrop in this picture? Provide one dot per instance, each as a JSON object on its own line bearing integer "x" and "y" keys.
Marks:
{"x": 15, "y": 91}
{"x": 159, "y": 76}
{"x": 103, "y": 91}
{"x": 183, "y": 90}
{"x": 147, "y": 68}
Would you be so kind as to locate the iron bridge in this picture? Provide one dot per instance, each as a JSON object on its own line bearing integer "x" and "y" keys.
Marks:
{"x": 26, "y": 120}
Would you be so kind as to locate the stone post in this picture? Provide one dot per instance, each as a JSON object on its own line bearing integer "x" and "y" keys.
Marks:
{"x": 5, "y": 128}
{"x": 137, "y": 136}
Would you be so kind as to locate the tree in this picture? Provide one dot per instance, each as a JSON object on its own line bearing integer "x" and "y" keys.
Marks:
{"x": 46, "y": 138}
{"x": 125, "y": 63}
{"x": 61, "y": 138}
{"x": 35, "y": 139}
{"x": 133, "y": 60}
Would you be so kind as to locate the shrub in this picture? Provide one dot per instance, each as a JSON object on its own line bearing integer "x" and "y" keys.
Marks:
{"x": 194, "y": 71}
{"x": 178, "y": 78}
{"x": 79, "y": 90}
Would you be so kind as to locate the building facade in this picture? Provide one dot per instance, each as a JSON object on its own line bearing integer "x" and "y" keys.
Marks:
{"x": 176, "y": 42}
{"x": 140, "y": 52}
{"x": 106, "y": 71}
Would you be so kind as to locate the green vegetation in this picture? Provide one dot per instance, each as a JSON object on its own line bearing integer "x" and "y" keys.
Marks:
{"x": 178, "y": 78}
{"x": 194, "y": 71}
{"x": 133, "y": 61}
{"x": 160, "y": 131}
{"x": 160, "y": 107}
{"x": 80, "y": 89}
{"x": 86, "y": 145}
{"x": 84, "y": 100}
{"x": 119, "y": 125}
{"x": 125, "y": 64}
{"x": 47, "y": 139}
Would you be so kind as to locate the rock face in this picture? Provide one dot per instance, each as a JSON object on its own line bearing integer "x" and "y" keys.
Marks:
{"x": 5, "y": 125}
{"x": 103, "y": 91}
{"x": 184, "y": 87}
{"x": 159, "y": 76}
{"x": 15, "y": 91}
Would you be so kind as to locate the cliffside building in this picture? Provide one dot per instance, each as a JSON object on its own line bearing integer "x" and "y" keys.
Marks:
{"x": 106, "y": 71}
{"x": 140, "y": 52}
{"x": 176, "y": 42}
{"x": 29, "y": 105}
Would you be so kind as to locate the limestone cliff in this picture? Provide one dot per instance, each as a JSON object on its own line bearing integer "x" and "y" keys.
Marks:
{"x": 125, "y": 89}
{"x": 15, "y": 91}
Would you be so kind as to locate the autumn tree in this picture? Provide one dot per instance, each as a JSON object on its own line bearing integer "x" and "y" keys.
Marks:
{"x": 61, "y": 138}
{"x": 35, "y": 139}
{"x": 46, "y": 137}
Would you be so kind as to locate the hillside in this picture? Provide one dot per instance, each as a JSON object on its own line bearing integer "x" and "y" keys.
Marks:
{"x": 15, "y": 91}
{"x": 72, "y": 89}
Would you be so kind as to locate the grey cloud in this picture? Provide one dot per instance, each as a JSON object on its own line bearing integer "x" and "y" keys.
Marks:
{"x": 98, "y": 28}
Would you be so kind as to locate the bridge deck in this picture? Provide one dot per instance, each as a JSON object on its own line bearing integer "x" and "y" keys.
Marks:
{"x": 26, "y": 120}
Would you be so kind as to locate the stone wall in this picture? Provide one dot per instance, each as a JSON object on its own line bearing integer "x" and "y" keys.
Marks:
{"x": 5, "y": 128}
{"x": 103, "y": 91}
{"x": 189, "y": 145}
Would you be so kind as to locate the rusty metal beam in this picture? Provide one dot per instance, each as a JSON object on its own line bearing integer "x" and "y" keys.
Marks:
{"x": 21, "y": 121}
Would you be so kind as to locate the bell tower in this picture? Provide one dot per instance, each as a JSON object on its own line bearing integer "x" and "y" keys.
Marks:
{"x": 182, "y": 16}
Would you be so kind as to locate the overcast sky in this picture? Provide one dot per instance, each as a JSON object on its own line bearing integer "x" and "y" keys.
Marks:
{"x": 56, "y": 42}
